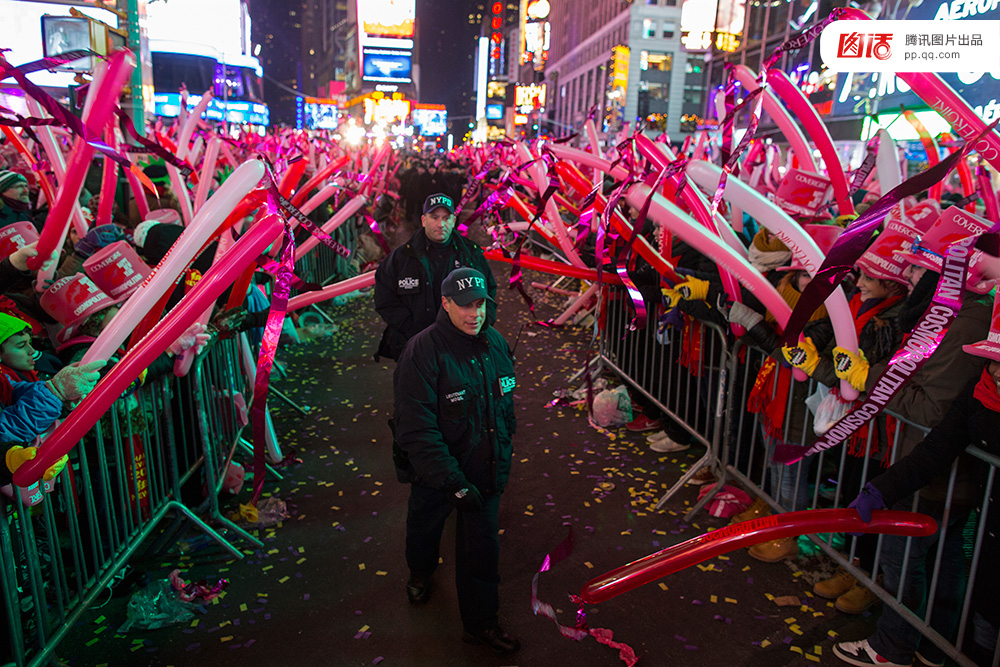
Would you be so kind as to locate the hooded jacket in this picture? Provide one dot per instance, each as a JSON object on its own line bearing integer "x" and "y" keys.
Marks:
{"x": 454, "y": 410}
{"x": 408, "y": 286}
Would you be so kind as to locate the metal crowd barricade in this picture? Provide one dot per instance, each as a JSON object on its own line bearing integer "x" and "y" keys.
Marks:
{"x": 693, "y": 394}
{"x": 709, "y": 399}
{"x": 832, "y": 479}
{"x": 59, "y": 556}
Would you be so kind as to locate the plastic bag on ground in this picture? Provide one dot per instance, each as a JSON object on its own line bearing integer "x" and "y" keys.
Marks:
{"x": 613, "y": 407}
{"x": 157, "y": 606}
{"x": 728, "y": 502}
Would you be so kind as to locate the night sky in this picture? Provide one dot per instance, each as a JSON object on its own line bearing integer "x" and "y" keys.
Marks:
{"x": 447, "y": 45}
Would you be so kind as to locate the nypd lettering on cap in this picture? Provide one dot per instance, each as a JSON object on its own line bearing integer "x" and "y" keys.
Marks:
{"x": 470, "y": 283}
{"x": 439, "y": 200}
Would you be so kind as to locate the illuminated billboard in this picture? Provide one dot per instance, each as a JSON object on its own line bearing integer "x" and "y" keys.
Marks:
{"x": 240, "y": 112}
{"x": 432, "y": 122}
{"x": 387, "y": 65}
{"x": 494, "y": 112}
{"x": 385, "y": 110}
{"x": 320, "y": 116}
{"x": 387, "y": 18}
{"x": 530, "y": 97}
{"x": 535, "y": 32}
{"x": 21, "y": 33}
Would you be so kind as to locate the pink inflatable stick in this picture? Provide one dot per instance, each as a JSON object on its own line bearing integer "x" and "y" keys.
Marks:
{"x": 331, "y": 291}
{"x": 181, "y": 254}
{"x": 799, "y": 105}
{"x": 336, "y": 220}
{"x": 109, "y": 180}
{"x": 207, "y": 173}
{"x": 745, "y": 534}
{"x": 58, "y": 220}
{"x": 117, "y": 380}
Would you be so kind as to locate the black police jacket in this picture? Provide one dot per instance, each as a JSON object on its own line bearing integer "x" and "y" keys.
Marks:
{"x": 408, "y": 286}
{"x": 454, "y": 409}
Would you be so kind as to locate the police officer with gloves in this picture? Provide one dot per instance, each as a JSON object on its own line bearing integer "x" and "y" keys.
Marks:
{"x": 454, "y": 422}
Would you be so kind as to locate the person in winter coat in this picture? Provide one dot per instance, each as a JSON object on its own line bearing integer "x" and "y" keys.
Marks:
{"x": 972, "y": 419}
{"x": 453, "y": 425}
{"x": 408, "y": 281}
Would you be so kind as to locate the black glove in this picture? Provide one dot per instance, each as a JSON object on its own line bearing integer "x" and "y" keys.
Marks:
{"x": 467, "y": 499}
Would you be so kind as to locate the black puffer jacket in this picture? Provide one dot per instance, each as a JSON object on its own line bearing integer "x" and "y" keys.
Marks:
{"x": 408, "y": 286}
{"x": 967, "y": 422}
{"x": 454, "y": 414}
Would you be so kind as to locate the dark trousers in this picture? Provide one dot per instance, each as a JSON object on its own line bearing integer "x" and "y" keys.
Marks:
{"x": 477, "y": 552}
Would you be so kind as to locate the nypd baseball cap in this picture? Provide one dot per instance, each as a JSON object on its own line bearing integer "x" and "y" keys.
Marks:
{"x": 465, "y": 285}
{"x": 439, "y": 200}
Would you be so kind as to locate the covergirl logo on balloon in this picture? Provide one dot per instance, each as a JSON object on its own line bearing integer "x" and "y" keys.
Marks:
{"x": 802, "y": 193}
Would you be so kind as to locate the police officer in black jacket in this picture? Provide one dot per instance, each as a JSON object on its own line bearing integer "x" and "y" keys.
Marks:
{"x": 454, "y": 423}
{"x": 408, "y": 281}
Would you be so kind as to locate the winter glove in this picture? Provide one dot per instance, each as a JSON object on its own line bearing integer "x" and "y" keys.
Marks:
{"x": 17, "y": 456}
{"x": 869, "y": 499}
{"x": 693, "y": 289}
{"x": 53, "y": 471}
{"x": 803, "y": 356}
{"x": 744, "y": 316}
{"x": 672, "y": 297}
{"x": 194, "y": 337}
{"x": 75, "y": 381}
{"x": 851, "y": 367}
{"x": 467, "y": 499}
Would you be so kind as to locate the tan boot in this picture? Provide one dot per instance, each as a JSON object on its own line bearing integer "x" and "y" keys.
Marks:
{"x": 778, "y": 550}
{"x": 855, "y": 600}
{"x": 835, "y": 586}
{"x": 755, "y": 511}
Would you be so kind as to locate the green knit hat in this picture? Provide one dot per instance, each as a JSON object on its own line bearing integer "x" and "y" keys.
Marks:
{"x": 10, "y": 325}
{"x": 9, "y": 179}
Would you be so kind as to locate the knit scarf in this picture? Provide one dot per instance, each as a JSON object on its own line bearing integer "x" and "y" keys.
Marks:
{"x": 986, "y": 391}
{"x": 864, "y": 311}
{"x": 767, "y": 255}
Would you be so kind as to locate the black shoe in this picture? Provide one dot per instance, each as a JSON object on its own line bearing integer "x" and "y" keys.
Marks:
{"x": 495, "y": 638}
{"x": 418, "y": 590}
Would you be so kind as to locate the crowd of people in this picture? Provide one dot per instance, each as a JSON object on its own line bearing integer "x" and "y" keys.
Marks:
{"x": 453, "y": 421}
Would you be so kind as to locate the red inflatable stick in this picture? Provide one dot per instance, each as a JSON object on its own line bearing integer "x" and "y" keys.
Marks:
{"x": 730, "y": 538}
{"x": 557, "y": 268}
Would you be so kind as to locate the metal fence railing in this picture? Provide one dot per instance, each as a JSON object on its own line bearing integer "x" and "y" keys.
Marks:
{"x": 61, "y": 550}
{"x": 923, "y": 580}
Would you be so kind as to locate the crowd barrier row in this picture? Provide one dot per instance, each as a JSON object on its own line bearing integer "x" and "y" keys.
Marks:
{"x": 701, "y": 377}
{"x": 65, "y": 543}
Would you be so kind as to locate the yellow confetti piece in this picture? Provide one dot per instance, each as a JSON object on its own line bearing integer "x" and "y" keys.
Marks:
{"x": 380, "y": 573}
{"x": 790, "y": 620}
{"x": 713, "y": 599}
{"x": 361, "y": 566}
{"x": 364, "y": 628}
{"x": 266, "y": 568}
{"x": 723, "y": 557}
{"x": 282, "y": 580}
{"x": 194, "y": 623}
{"x": 300, "y": 561}
{"x": 817, "y": 649}
{"x": 731, "y": 601}
{"x": 529, "y": 513}
{"x": 746, "y": 568}
{"x": 589, "y": 565}
{"x": 226, "y": 639}
{"x": 663, "y": 586}
{"x": 225, "y": 623}
{"x": 243, "y": 607}
{"x": 765, "y": 643}
{"x": 832, "y": 634}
